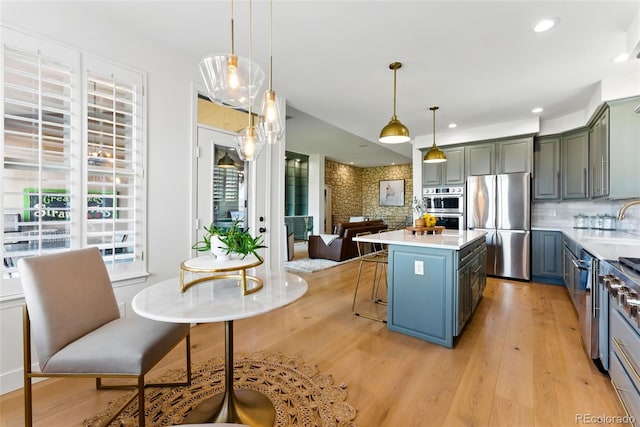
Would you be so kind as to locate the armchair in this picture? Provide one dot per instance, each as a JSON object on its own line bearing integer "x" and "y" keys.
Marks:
{"x": 78, "y": 332}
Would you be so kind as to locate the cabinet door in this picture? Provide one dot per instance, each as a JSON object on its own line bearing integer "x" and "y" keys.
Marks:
{"x": 515, "y": 156}
{"x": 453, "y": 168}
{"x": 546, "y": 164}
{"x": 624, "y": 152}
{"x": 462, "y": 297}
{"x": 480, "y": 159}
{"x": 546, "y": 257}
{"x": 599, "y": 155}
{"x": 431, "y": 174}
{"x": 575, "y": 165}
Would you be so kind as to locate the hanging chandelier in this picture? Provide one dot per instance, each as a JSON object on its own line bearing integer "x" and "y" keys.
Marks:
{"x": 394, "y": 132}
{"x": 272, "y": 111}
{"x": 231, "y": 80}
{"x": 434, "y": 155}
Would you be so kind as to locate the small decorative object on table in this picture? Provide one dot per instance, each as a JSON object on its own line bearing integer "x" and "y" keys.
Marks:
{"x": 233, "y": 249}
{"x": 225, "y": 242}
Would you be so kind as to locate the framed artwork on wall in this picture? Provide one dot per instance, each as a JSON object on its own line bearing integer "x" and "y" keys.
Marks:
{"x": 392, "y": 192}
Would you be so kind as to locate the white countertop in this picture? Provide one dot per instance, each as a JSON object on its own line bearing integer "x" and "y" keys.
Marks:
{"x": 448, "y": 239}
{"x": 217, "y": 300}
{"x": 603, "y": 244}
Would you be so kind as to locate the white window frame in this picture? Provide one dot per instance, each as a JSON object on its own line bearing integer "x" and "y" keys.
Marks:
{"x": 81, "y": 63}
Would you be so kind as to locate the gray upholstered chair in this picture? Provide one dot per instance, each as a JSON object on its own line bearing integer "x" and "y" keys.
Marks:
{"x": 77, "y": 329}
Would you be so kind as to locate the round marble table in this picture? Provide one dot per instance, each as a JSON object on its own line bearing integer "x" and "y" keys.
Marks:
{"x": 216, "y": 301}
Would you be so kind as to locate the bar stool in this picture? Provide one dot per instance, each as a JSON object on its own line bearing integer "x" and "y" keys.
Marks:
{"x": 378, "y": 255}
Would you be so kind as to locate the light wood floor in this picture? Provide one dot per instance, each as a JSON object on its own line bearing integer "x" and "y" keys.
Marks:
{"x": 519, "y": 361}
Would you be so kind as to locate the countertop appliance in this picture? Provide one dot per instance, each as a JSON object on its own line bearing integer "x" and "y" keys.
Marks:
{"x": 501, "y": 206}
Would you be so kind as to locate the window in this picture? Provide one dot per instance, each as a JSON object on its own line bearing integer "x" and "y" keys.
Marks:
{"x": 73, "y": 157}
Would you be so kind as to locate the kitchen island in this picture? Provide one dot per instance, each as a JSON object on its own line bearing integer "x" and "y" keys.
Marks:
{"x": 435, "y": 281}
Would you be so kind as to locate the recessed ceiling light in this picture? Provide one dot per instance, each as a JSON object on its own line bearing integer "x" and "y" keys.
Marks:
{"x": 537, "y": 110}
{"x": 452, "y": 125}
{"x": 621, "y": 58}
{"x": 350, "y": 163}
{"x": 545, "y": 25}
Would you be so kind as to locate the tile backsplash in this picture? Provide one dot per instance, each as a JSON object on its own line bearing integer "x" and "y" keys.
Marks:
{"x": 560, "y": 214}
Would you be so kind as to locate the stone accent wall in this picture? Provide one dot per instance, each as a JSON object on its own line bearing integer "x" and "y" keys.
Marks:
{"x": 394, "y": 216}
{"x": 346, "y": 190}
{"x": 356, "y": 192}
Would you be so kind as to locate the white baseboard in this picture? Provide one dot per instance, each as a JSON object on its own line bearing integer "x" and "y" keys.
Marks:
{"x": 13, "y": 380}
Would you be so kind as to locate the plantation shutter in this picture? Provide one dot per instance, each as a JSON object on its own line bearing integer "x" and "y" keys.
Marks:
{"x": 73, "y": 157}
{"x": 114, "y": 167}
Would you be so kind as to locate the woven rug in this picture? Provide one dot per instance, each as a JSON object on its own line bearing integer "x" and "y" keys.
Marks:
{"x": 300, "y": 394}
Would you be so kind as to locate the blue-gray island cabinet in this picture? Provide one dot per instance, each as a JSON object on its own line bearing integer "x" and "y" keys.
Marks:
{"x": 435, "y": 282}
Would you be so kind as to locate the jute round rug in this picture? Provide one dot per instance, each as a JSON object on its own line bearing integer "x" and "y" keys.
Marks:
{"x": 300, "y": 394}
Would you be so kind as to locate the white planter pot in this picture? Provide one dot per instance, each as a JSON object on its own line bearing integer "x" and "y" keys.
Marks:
{"x": 217, "y": 249}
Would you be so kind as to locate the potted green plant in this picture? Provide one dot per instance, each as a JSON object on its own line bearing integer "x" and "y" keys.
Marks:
{"x": 233, "y": 240}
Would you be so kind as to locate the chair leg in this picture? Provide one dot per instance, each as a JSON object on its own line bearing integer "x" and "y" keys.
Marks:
{"x": 26, "y": 358}
{"x": 355, "y": 294}
{"x": 353, "y": 305}
{"x": 141, "y": 411}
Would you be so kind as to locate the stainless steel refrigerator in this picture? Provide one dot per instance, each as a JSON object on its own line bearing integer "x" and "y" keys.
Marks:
{"x": 501, "y": 206}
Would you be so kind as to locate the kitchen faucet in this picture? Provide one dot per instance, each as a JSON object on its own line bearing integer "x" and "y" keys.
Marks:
{"x": 626, "y": 206}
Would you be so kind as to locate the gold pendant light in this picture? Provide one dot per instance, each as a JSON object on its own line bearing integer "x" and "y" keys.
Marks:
{"x": 394, "y": 132}
{"x": 434, "y": 155}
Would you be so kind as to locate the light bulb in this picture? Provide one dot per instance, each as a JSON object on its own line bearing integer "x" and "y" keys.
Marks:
{"x": 271, "y": 108}
{"x": 232, "y": 77}
{"x": 250, "y": 145}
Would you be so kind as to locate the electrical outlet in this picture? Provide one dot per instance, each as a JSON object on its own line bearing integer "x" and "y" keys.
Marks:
{"x": 418, "y": 267}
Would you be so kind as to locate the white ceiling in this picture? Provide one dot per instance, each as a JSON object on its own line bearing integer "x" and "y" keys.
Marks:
{"x": 479, "y": 61}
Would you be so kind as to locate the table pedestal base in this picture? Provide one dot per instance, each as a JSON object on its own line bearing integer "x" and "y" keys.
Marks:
{"x": 233, "y": 406}
{"x": 241, "y": 407}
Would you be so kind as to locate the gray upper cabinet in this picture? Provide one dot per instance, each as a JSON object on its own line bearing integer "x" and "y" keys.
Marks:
{"x": 480, "y": 159}
{"x": 575, "y": 165}
{"x": 546, "y": 172}
{"x": 447, "y": 173}
{"x": 515, "y": 156}
{"x": 624, "y": 151}
{"x": 431, "y": 174}
{"x": 599, "y": 155}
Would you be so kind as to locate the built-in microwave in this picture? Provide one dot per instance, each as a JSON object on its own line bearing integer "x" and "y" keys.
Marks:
{"x": 444, "y": 200}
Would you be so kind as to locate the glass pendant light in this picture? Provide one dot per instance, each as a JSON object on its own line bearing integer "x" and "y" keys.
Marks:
{"x": 271, "y": 120}
{"x": 250, "y": 141}
{"x": 229, "y": 79}
{"x": 394, "y": 132}
{"x": 434, "y": 155}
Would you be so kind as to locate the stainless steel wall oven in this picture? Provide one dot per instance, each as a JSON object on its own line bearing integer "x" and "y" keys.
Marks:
{"x": 447, "y": 203}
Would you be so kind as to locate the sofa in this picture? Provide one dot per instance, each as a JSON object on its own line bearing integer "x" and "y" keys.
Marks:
{"x": 342, "y": 247}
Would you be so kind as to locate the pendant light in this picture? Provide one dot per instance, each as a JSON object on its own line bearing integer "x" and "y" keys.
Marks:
{"x": 271, "y": 120}
{"x": 250, "y": 141}
{"x": 434, "y": 155}
{"x": 226, "y": 162}
{"x": 394, "y": 132}
{"x": 229, "y": 79}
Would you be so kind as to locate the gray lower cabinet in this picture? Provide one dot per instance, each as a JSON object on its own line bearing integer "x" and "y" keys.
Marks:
{"x": 575, "y": 165}
{"x": 546, "y": 168}
{"x": 434, "y": 306}
{"x": 546, "y": 257}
